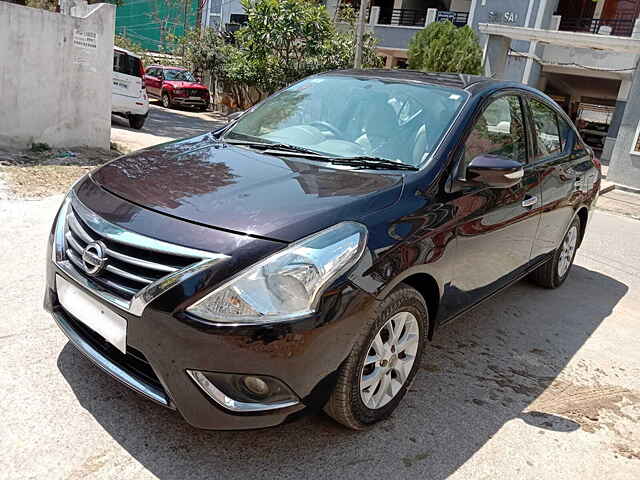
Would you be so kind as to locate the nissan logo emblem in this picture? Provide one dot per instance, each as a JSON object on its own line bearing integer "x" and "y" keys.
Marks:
{"x": 94, "y": 258}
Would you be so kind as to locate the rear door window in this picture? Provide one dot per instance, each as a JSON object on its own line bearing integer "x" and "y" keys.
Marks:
{"x": 548, "y": 140}
{"x": 126, "y": 64}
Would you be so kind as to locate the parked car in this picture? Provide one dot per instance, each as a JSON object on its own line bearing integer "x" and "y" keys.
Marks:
{"x": 129, "y": 97}
{"x": 176, "y": 86}
{"x": 302, "y": 256}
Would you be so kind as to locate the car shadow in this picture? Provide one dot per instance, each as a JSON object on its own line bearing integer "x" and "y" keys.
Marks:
{"x": 494, "y": 365}
{"x": 173, "y": 122}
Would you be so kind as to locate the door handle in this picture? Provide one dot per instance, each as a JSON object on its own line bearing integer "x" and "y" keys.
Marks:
{"x": 529, "y": 201}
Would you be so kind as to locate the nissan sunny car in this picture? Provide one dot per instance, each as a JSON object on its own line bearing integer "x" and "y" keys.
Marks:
{"x": 302, "y": 257}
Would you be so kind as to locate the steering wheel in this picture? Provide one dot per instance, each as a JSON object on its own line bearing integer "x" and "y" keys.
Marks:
{"x": 327, "y": 126}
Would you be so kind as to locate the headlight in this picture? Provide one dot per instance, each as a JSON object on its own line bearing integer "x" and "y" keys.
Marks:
{"x": 178, "y": 91}
{"x": 289, "y": 283}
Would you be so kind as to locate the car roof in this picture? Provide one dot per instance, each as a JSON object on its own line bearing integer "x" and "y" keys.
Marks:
{"x": 124, "y": 50}
{"x": 455, "y": 80}
{"x": 170, "y": 67}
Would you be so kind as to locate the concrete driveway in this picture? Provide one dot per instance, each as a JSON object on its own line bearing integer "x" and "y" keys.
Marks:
{"x": 162, "y": 125}
{"x": 533, "y": 384}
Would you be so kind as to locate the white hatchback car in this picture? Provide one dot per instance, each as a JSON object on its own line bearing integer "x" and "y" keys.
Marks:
{"x": 129, "y": 96}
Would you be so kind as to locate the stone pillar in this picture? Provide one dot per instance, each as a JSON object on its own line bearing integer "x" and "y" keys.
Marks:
{"x": 397, "y": 5}
{"x": 391, "y": 62}
{"x": 374, "y": 17}
{"x": 624, "y": 166}
{"x": 495, "y": 56}
{"x": 616, "y": 120}
{"x": 636, "y": 29}
{"x": 432, "y": 14}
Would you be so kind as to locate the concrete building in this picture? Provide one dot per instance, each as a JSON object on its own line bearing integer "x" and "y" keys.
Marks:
{"x": 227, "y": 15}
{"x": 56, "y": 76}
{"x": 584, "y": 53}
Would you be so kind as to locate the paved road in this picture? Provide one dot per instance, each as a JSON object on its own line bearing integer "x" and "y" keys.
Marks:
{"x": 533, "y": 384}
{"x": 162, "y": 125}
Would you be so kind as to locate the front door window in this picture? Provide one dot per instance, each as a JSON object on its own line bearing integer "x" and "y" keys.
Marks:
{"x": 498, "y": 131}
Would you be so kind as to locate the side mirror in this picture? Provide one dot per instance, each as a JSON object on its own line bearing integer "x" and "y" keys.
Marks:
{"x": 235, "y": 115}
{"x": 495, "y": 171}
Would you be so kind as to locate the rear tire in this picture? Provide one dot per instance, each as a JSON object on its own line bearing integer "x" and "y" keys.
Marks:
{"x": 383, "y": 362}
{"x": 137, "y": 121}
{"x": 553, "y": 273}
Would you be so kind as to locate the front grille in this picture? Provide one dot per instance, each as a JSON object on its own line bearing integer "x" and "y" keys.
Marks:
{"x": 134, "y": 361}
{"x": 129, "y": 268}
{"x": 195, "y": 92}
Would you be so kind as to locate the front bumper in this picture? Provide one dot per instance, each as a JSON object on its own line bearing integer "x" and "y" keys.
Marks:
{"x": 164, "y": 342}
{"x": 162, "y": 347}
{"x": 190, "y": 101}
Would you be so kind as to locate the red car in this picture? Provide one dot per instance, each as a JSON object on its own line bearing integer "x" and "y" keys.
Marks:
{"x": 176, "y": 86}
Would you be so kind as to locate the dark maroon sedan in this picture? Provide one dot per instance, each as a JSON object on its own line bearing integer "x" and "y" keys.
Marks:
{"x": 303, "y": 256}
{"x": 176, "y": 86}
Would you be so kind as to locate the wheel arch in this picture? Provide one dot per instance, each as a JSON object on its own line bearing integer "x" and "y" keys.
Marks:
{"x": 583, "y": 215}
{"x": 427, "y": 286}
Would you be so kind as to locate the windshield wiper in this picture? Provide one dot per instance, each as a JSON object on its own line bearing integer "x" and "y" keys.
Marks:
{"x": 285, "y": 147}
{"x": 372, "y": 163}
{"x": 363, "y": 161}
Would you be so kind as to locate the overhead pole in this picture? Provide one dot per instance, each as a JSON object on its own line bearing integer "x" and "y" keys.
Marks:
{"x": 357, "y": 61}
{"x": 184, "y": 27}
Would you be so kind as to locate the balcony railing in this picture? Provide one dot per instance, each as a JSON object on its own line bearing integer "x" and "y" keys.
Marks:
{"x": 418, "y": 18}
{"x": 401, "y": 16}
{"x": 621, "y": 27}
{"x": 459, "y": 19}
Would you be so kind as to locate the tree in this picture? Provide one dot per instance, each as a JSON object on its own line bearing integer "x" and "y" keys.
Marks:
{"x": 285, "y": 40}
{"x": 443, "y": 47}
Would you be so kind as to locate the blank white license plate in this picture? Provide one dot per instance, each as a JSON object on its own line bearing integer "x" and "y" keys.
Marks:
{"x": 111, "y": 326}
{"x": 194, "y": 98}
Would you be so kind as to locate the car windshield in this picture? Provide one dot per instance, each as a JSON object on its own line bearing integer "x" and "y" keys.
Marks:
{"x": 342, "y": 116}
{"x": 179, "y": 75}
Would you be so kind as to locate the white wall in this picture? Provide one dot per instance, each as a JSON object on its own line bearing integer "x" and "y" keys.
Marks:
{"x": 55, "y": 80}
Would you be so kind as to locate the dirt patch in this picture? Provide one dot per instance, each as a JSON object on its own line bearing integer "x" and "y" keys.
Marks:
{"x": 627, "y": 452}
{"x": 592, "y": 407}
{"x": 42, "y": 172}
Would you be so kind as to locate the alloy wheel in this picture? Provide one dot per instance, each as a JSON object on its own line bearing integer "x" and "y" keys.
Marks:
{"x": 389, "y": 360}
{"x": 567, "y": 251}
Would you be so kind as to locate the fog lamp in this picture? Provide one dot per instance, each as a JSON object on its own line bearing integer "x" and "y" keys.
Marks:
{"x": 256, "y": 386}
{"x": 244, "y": 393}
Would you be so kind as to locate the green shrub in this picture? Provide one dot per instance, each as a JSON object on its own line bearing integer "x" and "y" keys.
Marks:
{"x": 443, "y": 47}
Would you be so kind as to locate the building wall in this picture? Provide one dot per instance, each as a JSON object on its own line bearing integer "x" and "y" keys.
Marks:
{"x": 55, "y": 77}
{"x": 624, "y": 167}
{"x": 516, "y": 13}
{"x": 394, "y": 36}
{"x": 217, "y": 13}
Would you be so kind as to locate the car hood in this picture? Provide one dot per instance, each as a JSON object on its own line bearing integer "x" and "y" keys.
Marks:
{"x": 180, "y": 84}
{"x": 239, "y": 190}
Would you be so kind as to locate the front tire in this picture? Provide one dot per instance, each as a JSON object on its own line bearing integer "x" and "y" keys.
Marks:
{"x": 553, "y": 273}
{"x": 382, "y": 364}
{"x": 166, "y": 100}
